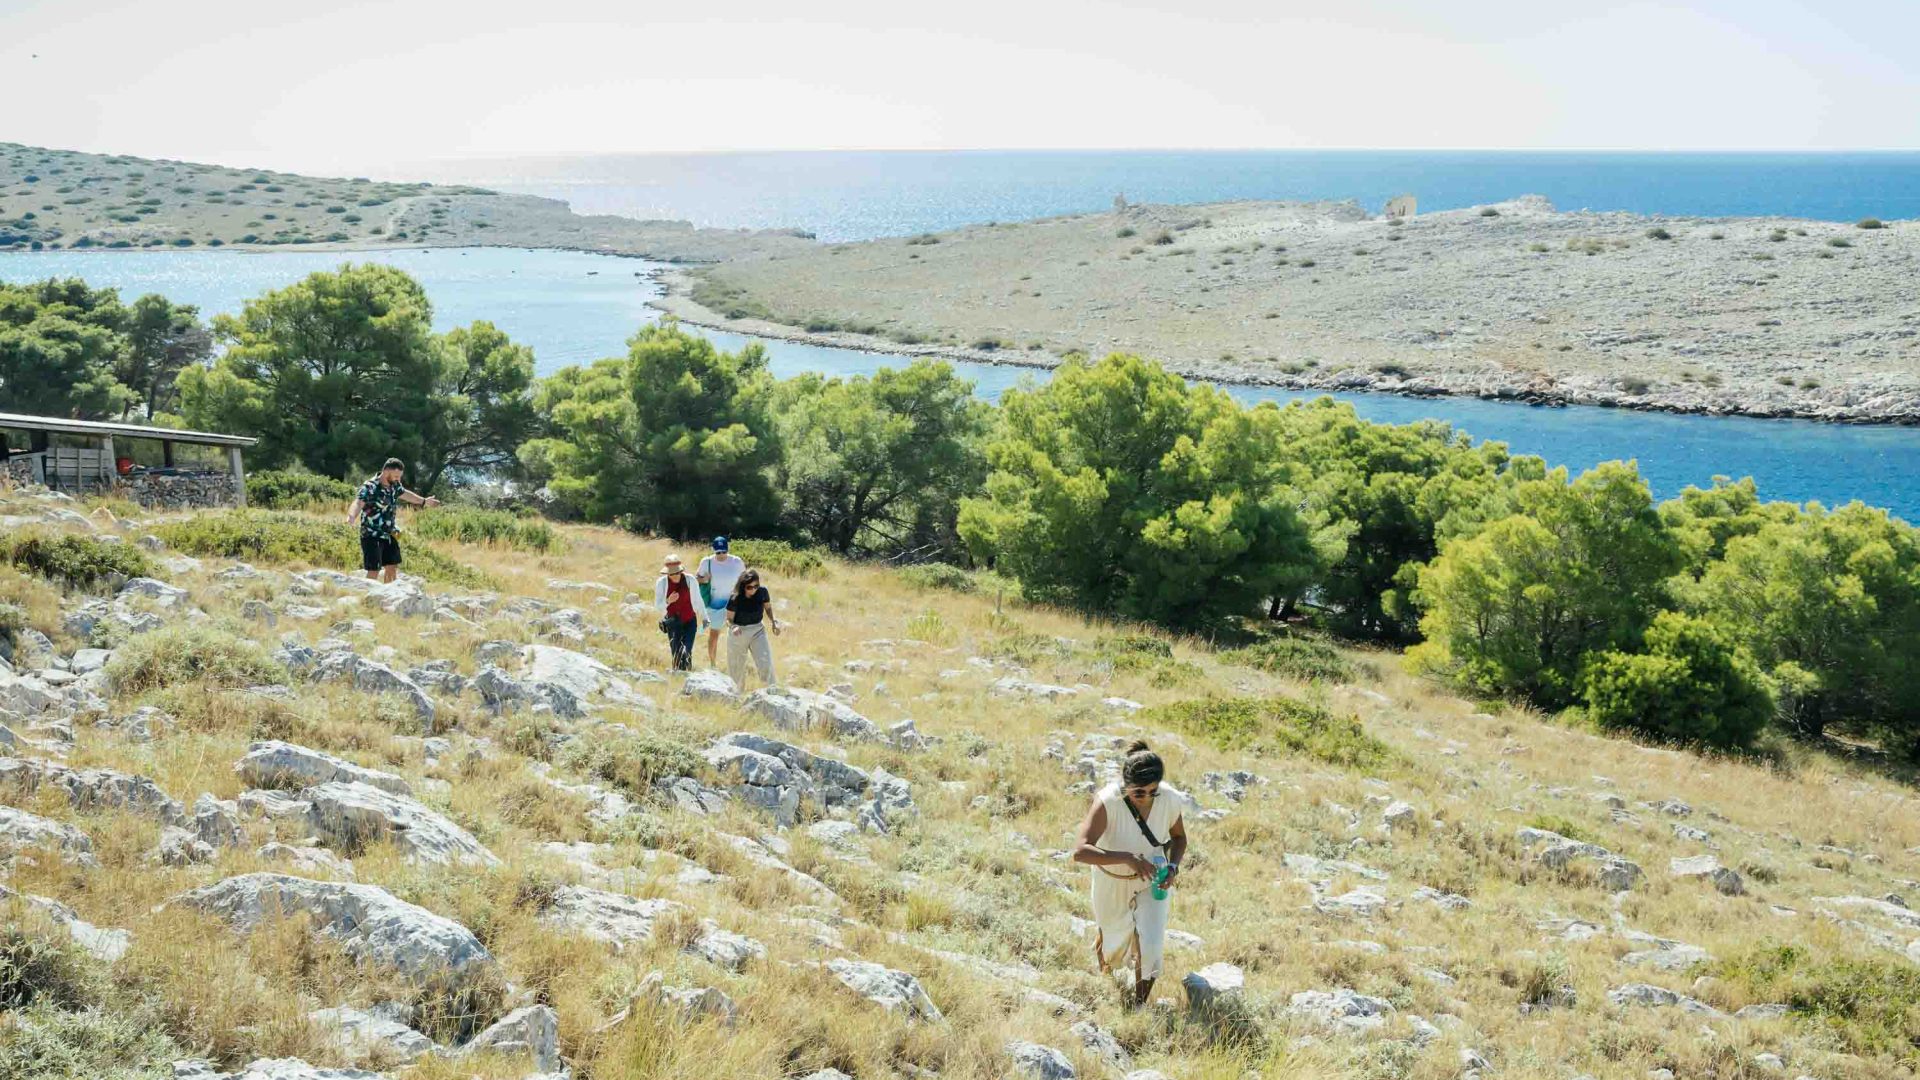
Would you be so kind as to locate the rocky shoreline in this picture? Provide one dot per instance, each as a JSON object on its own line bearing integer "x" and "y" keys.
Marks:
{"x": 1891, "y": 409}
{"x": 1515, "y": 301}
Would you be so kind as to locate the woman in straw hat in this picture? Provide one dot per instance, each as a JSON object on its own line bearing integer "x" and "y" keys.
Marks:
{"x": 673, "y": 599}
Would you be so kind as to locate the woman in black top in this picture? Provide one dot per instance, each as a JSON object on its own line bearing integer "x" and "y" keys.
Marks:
{"x": 749, "y": 614}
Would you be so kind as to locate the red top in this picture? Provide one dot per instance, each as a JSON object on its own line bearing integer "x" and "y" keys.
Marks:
{"x": 680, "y": 599}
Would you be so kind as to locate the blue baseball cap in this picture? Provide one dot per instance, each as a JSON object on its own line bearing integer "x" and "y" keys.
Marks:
{"x": 719, "y": 543}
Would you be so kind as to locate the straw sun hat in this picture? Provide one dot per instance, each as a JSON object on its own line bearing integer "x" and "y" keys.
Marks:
{"x": 672, "y": 561}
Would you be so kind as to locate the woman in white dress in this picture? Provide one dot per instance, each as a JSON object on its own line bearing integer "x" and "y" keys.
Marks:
{"x": 1133, "y": 831}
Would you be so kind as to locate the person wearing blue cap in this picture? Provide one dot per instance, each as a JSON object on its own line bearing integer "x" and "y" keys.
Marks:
{"x": 717, "y": 574}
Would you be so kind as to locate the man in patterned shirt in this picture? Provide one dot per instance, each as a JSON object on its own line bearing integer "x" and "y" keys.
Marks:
{"x": 377, "y": 508}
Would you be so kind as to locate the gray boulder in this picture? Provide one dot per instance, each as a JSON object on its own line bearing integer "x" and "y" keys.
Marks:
{"x": 1213, "y": 986}
{"x": 216, "y": 821}
{"x": 369, "y": 922}
{"x": 178, "y": 847}
{"x": 90, "y": 789}
{"x": 372, "y": 677}
{"x": 793, "y": 709}
{"x": 305, "y": 860}
{"x": 691, "y": 795}
{"x": 399, "y": 598}
{"x": 89, "y": 660}
{"x": 724, "y": 948}
{"x": 500, "y": 691}
{"x": 106, "y": 944}
{"x": 1102, "y": 1044}
{"x": 351, "y": 815}
{"x": 709, "y": 685}
{"x": 358, "y": 1033}
{"x": 613, "y": 918}
{"x": 23, "y": 831}
{"x": 1708, "y": 868}
{"x": 275, "y": 764}
{"x": 160, "y": 593}
{"x": 580, "y": 675}
{"x": 686, "y": 1002}
{"x": 1340, "y": 1010}
{"x": 1558, "y": 852}
{"x": 1031, "y": 1061}
{"x": 894, "y": 991}
{"x": 1656, "y": 997}
{"x": 533, "y": 1030}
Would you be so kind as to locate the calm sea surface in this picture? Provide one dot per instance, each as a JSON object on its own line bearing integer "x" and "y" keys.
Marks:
{"x": 858, "y": 195}
{"x": 573, "y": 308}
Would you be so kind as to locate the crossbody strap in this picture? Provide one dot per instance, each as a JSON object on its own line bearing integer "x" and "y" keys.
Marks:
{"x": 1152, "y": 840}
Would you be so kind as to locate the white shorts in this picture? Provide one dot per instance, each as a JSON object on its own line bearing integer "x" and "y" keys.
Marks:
{"x": 717, "y": 616}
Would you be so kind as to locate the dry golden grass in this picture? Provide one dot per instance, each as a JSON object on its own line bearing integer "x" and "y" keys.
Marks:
{"x": 977, "y": 874}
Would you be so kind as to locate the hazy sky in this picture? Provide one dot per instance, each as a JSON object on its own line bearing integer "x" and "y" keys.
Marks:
{"x": 355, "y": 86}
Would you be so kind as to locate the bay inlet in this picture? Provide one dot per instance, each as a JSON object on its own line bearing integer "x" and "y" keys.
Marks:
{"x": 573, "y": 308}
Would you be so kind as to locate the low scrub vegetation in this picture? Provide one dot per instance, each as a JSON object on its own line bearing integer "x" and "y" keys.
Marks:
{"x": 82, "y": 561}
{"x": 779, "y": 557}
{"x": 1296, "y": 657}
{"x": 631, "y": 759}
{"x": 1867, "y": 1006}
{"x": 1276, "y": 726}
{"x": 472, "y": 525}
{"x": 194, "y": 653}
{"x": 280, "y": 538}
{"x": 288, "y": 489}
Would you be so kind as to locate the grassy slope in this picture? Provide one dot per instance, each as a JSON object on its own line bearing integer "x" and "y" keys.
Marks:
{"x": 986, "y": 880}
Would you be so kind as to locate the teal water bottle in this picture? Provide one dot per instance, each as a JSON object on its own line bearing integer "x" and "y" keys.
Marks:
{"x": 1161, "y": 872}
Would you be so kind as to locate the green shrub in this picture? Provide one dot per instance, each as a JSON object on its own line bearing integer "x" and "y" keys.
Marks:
{"x": 190, "y": 654}
{"x": 1273, "y": 725}
{"x": 939, "y": 576}
{"x": 13, "y": 619}
{"x": 1839, "y": 242}
{"x": 80, "y": 561}
{"x": 1659, "y": 232}
{"x": 42, "y": 1042}
{"x": 1296, "y": 658}
{"x": 275, "y": 537}
{"x": 779, "y": 557}
{"x": 1025, "y": 648}
{"x": 931, "y": 626}
{"x": 630, "y": 759}
{"x": 1867, "y": 1006}
{"x": 1143, "y": 647}
{"x": 40, "y": 963}
{"x": 288, "y": 489}
{"x": 1871, "y": 223}
{"x": 472, "y": 525}
{"x": 1690, "y": 685}
{"x": 1489, "y": 212}
{"x": 1565, "y": 826}
{"x": 1125, "y": 231}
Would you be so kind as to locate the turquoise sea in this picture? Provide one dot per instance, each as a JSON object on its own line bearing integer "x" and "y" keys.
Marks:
{"x": 853, "y": 195}
{"x": 573, "y": 308}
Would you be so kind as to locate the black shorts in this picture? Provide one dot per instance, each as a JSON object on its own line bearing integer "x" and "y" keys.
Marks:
{"x": 378, "y": 551}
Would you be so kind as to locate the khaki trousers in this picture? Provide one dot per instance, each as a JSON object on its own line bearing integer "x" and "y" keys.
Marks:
{"x": 749, "y": 641}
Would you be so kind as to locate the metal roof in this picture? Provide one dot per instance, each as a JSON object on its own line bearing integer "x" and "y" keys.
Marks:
{"x": 101, "y": 429}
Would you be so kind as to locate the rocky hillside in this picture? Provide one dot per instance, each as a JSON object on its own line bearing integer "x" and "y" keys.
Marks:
{"x": 54, "y": 199}
{"x": 263, "y": 820}
{"x": 1517, "y": 300}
